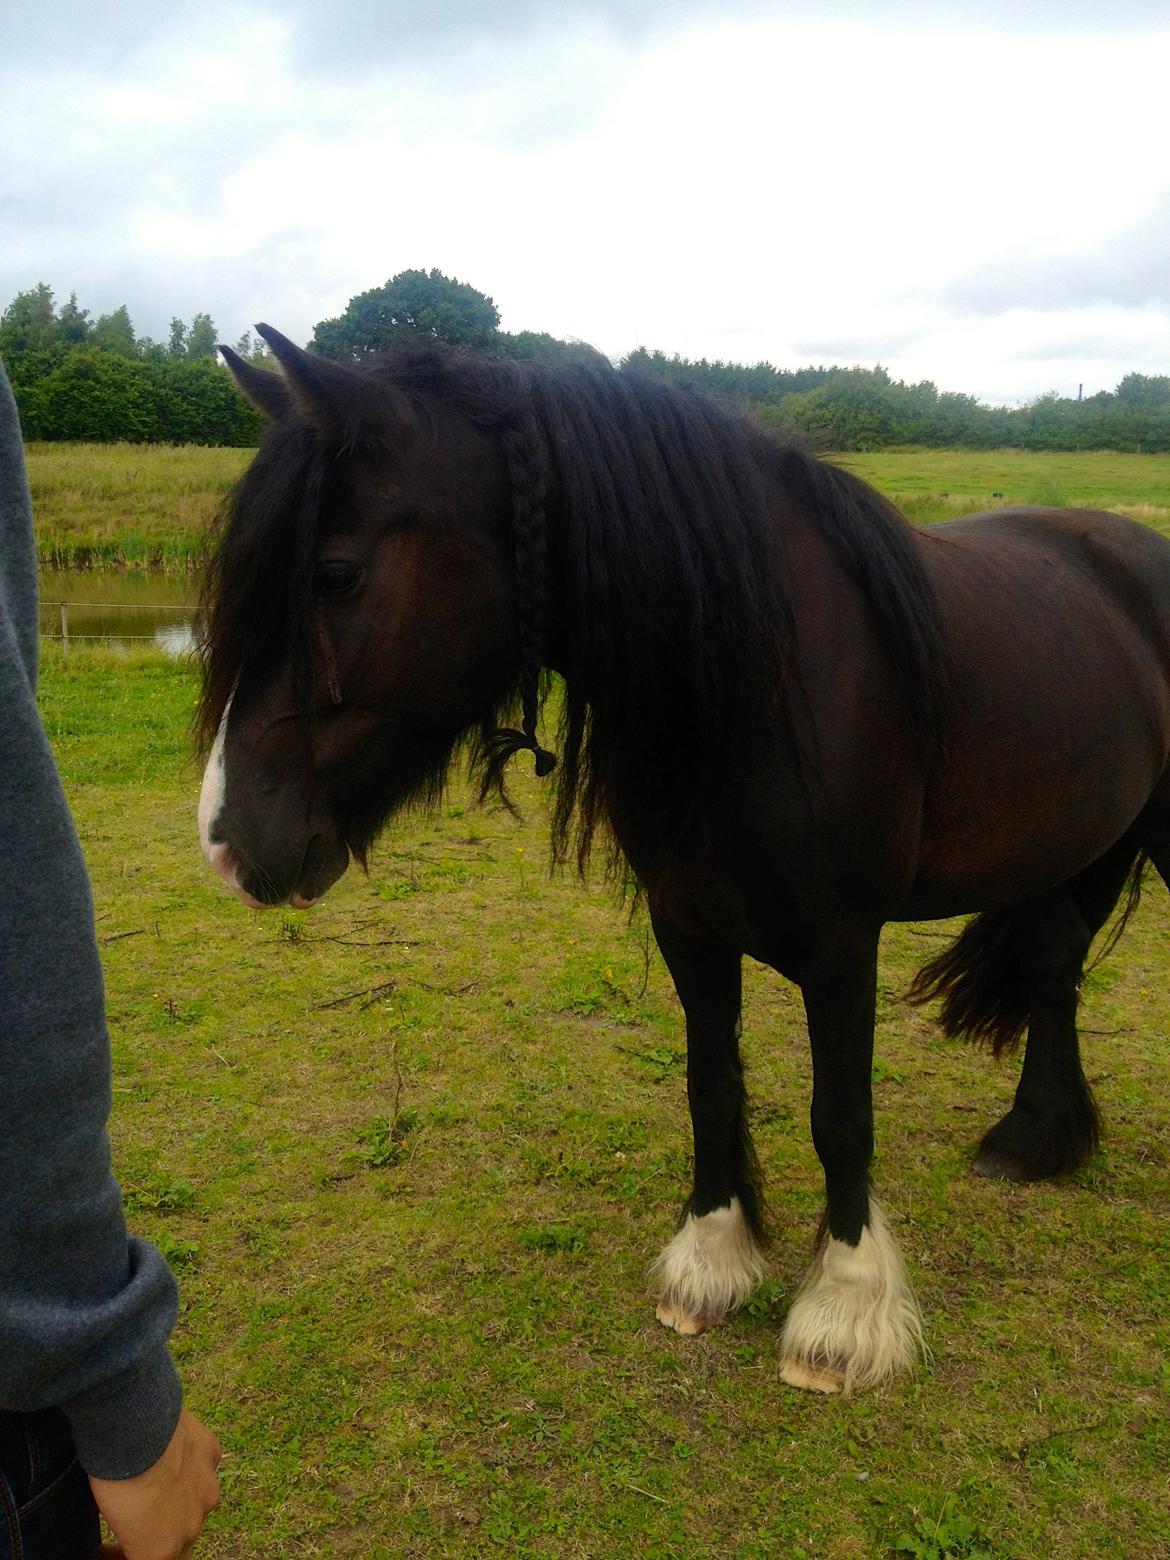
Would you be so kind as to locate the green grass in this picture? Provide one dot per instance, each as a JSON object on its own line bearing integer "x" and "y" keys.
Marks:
{"x": 118, "y": 505}
{"x": 113, "y": 505}
{"x": 412, "y": 1152}
{"x": 941, "y": 484}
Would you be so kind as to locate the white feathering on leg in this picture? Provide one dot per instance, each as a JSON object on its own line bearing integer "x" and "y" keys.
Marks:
{"x": 709, "y": 1268}
{"x": 855, "y": 1321}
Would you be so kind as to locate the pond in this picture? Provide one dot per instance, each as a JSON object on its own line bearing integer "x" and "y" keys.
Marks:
{"x": 124, "y": 608}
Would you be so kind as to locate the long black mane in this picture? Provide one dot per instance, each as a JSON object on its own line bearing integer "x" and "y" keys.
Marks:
{"x": 648, "y": 526}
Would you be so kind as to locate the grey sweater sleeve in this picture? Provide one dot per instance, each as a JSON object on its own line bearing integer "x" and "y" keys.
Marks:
{"x": 85, "y": 1310}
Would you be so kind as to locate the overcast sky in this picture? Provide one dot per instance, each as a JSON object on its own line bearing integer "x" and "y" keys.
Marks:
{"x": 977, "y": 194}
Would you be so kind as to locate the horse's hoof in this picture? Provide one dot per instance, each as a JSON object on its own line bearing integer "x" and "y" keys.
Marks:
{"x": 812, "y": 1378}
{"x": 1025, "y": 1147}
{"x": 998, "y": 1166}
{"x": 680, "y": 1321}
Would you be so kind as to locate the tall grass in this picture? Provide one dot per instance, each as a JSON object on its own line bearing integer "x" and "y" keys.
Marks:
{"x": 118, "y": 505}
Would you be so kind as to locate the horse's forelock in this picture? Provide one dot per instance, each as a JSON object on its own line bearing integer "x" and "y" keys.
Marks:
{"x": 256, "y": 599}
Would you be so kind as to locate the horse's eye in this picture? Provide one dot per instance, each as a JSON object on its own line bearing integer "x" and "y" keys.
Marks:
{"x": 335, "y": 576}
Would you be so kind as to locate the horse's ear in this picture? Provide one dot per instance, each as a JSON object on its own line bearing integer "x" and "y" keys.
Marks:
{"x": 338, "y": 399}
{"x": 266, "y": 391}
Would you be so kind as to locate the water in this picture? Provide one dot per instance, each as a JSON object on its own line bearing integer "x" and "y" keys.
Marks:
{"x": 127, "y": 609}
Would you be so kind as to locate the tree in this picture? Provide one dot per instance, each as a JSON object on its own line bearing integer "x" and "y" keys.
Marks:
{"x": 94, "y": 395}
{"x": 1144, "y": 390}
{"x": 410, "y": 306}
{"x": 537, "y": 346}
{"x": 201, "y": 338}
{"x": 177, "y": 342}
{"x": 254, "y": 350}
{"x": 29, "y": 323}
{"x": 73, "y": 324}
{"x": 114, "y": 333}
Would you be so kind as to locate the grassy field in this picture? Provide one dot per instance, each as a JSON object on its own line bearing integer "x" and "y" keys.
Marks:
{"x": 147, "y": 506}
{"x": 942, "y": 484}
{"x": 127, "y": 505}
{"x": 411, "y": 1154}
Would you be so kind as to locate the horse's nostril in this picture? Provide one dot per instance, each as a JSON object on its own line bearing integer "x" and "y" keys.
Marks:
{"x": 221, "y": 857}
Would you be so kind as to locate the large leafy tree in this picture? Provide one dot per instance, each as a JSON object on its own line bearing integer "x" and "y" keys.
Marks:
{"x": 412, "y": 306}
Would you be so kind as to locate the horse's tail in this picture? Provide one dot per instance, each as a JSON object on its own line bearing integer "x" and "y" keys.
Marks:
{"x": 981, "y": 983}
{"x": 980, "y": 979}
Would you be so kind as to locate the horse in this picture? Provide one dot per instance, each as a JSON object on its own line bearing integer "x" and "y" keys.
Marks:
{"x": 786, "y": 716}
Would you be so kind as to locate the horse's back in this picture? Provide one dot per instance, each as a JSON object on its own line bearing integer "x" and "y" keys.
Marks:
{"x": 1057, "y": 627}
{"x": 1054, "y": 576}
{"x": 1108, "y": 547}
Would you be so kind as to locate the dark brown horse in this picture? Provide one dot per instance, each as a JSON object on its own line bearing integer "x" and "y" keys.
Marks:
{"x": 790, "y": 715}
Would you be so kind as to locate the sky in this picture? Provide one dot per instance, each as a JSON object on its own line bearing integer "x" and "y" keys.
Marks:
{"x": 976, "y": 194}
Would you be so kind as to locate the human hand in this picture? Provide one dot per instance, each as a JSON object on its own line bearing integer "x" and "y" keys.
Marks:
{"x": 159, "y": 1514}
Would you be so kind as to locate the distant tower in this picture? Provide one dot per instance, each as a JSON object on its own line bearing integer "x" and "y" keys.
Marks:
{"x": 1080, "y": 392}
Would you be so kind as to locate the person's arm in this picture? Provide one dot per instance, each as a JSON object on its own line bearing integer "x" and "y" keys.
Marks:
{"x": 85, "y": 1310}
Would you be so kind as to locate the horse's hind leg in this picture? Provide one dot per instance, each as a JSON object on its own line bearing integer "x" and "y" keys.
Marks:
{"x": 714, "y": 1262}
{"x": 1053, "y": 1125}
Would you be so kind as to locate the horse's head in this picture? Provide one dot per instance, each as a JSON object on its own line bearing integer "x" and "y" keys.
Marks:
{"x": 360, "y": 617}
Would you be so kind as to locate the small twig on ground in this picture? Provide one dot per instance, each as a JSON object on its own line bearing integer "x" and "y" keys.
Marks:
{"x": 398, "y": 1080}
{"x": 112, "y": 937}
{"x": 370, "y": 993}
{"x": 649, "y": 1494}
{"x": 446, "y": 991}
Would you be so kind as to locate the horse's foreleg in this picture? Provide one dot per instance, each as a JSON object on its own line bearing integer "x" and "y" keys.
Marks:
{"x": 854, "y": 1322}
{"x": 714, "y": 1261}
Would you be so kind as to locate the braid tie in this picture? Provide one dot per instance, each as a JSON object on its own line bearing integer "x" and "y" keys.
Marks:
{"x": 526, "y": 474}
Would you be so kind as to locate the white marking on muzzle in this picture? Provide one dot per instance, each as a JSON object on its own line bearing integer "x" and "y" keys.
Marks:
{"x": 211, "y": 801}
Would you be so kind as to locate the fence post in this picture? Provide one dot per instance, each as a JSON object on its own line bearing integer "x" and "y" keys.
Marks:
{"x": 64, "y": 630}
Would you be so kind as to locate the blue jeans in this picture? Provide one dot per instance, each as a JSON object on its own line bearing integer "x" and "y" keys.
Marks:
{"x": 47, "y": 1510}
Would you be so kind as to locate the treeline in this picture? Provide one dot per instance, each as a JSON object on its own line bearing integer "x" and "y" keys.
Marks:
{"x": 83, "y": 379}
{"x": 865, "y": 409}
{"x": 96, "y": 381}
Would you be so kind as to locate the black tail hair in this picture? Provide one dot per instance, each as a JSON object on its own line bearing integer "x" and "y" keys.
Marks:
{"x": 981, "y": 983}
{"x": 980, "y": 980}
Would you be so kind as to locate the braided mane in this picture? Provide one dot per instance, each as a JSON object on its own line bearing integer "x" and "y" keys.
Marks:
{"x": 647, "y": 526}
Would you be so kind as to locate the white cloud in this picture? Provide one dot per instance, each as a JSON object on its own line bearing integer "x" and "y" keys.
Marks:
{"x": 977, "y": 206}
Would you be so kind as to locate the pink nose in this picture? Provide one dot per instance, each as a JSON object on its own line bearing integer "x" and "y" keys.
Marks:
{"x": 221, "y": 858}
{"x": 224, "y": 862}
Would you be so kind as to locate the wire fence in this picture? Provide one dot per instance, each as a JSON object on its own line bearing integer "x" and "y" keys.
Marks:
{"x": 55, "y": 622}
